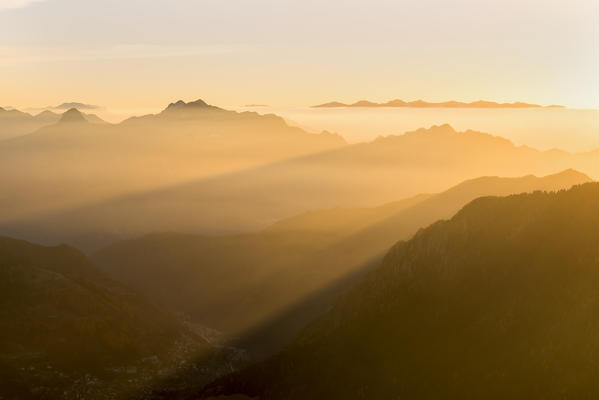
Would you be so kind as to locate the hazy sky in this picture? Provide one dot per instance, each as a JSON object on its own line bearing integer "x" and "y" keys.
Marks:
{"x": 145, "y": 53}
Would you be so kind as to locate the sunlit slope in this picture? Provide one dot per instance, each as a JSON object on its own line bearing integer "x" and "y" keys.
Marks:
{"x": 374, "y": 240}
{"x": 74, "y": 162}
{"x": 237, "y": 283}
{"x": 499, "y": 302}
{"x": 63, "y": 319}
{"x": 343, "y": 220}
{"x": 361, "y": 175}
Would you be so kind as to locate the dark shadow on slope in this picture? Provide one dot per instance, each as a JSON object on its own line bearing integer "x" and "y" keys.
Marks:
{"x": 96, "y": 224}
{"x": 247, "y": 200}
{"x": 255, "y": 345}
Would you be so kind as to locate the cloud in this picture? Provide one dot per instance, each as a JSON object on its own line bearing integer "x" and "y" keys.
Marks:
{"x": 4, "y": 4}
{"x": 12, "y": 55}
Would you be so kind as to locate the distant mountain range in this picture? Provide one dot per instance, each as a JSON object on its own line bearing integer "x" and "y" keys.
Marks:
{"x": 426, "y": 104}
{"x": 500, "y": 302}
{"x": 84, "y": 163}
{"x": 79, "y": 106}
{"x": 250, "y": 199}
{"x": 15, "y": 123}
{"x": 198, "y": 168}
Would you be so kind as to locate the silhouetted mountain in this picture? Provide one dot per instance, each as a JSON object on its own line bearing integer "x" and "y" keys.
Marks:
{"x": 499, "y": 302}
{"x": 193, "y": 105}
{"x": 15, "y": 123}
{"x": 235, "y": 284}
{"x": 332, "y": 104}
{"x": 48, "y": 116}
{"x": 79, "y": 106}
{"x": 359, "y": 175}
{"x": 373, "y": 241}
{"x": 390, "y": 221}
{"x": 425, "y": 104}
{"x": 68, "y": 331}
{"x": 185, "y": 142}
{"x": 72, "y": 116}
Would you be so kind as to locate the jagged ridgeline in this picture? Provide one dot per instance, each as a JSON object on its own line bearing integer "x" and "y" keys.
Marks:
{"x": 66, "y": 162}
{"x": 500, "y": 302}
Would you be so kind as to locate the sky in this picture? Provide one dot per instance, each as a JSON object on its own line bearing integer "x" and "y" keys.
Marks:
{"x": 147, "y": 53}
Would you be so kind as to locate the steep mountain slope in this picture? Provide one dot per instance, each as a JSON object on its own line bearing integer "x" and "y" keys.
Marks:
{"x": 361, "y": 175}
{"x": 277, "y": 280}
{"x": 66, "y": 330}
{"x": 498, "y": 302}
{"x": 373, "y": 241}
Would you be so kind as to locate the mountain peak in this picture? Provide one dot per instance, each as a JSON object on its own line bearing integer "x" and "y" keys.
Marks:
{"x": 444, "y": 128}
{"x": 72, "y": 115}
{"x": 198, "y": 103}
{"x": 571, "y": 173}
{"x": 45, "y": 113}
{"x": 180, "y": 105}
{"x": 176, "y": 104}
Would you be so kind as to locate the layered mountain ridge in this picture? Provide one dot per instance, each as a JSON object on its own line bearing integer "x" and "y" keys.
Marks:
{"x": 184, "y": 143}
{"x": 15, "y": 123}
{"x": 270, "y": 284}
{"x": 498, "y": 302}
{"x": 356, "y": 175}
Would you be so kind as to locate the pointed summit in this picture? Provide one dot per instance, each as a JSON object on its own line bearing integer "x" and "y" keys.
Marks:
{"x": 572, "y": 174}
{"x": 445, "y": 127}
{"x": 192, "y": 105}
{"x": 44, "y": 113}
{"x": 72, "y": 115}
{"x": 440, "y": 129}
{"x": 198, "y": 103}
{"x": 176, "y": 104}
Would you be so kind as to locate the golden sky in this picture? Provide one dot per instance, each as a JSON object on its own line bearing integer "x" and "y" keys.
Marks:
{"x": 146, "y": 53}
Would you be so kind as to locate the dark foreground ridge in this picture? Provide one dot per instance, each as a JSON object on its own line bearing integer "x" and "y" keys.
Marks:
{"x": 498, "y": 302}
{"x": 69, "y": 332}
